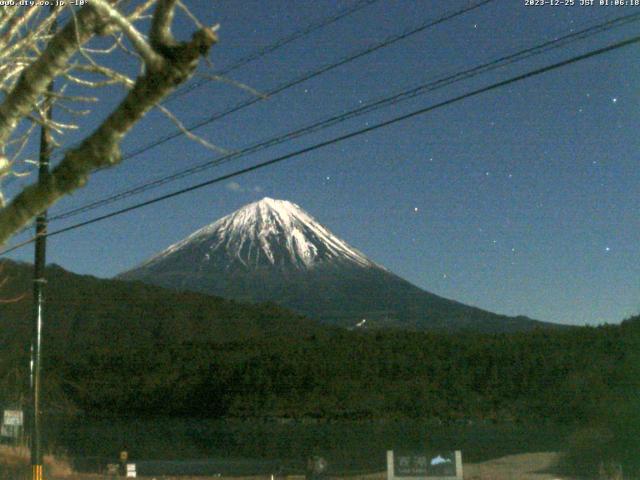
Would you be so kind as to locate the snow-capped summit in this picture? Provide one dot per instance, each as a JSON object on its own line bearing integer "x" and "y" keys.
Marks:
{"x": 267, "y": 233}
{"x": 272, "y": 250}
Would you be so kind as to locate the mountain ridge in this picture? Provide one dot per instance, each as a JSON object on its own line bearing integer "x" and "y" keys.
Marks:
{"x": 251, "y": 231}
{"x": 87, "y": 307}
{"x": 272, "y": 250}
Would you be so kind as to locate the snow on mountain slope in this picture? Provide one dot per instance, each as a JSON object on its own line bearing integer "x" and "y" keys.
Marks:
{"x": 273, "y": 251}
{"x": 268, "y": 232}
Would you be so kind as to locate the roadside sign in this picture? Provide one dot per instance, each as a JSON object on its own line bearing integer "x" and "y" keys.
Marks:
{"x": 13, "y": 417}
{"x": 10, "y": 431}
{"x": 112, "y": 469}
{"x": 131, "y": 470}
{"x": 424, "y": 465}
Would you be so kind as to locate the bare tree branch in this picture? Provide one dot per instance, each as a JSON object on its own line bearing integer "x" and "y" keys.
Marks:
{"x": 149, "y": 55}
{"x": 161, "y": 36}
{"x": 167, "y": 64}
{"x": 140, "y": 10}
{"x": 34, "y": 79}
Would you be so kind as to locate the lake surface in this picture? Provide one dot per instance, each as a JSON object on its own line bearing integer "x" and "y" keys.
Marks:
{"x": 206, "y": 446}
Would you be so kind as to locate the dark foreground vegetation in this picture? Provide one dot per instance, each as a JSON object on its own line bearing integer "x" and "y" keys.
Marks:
{"x": 264, "y": 363}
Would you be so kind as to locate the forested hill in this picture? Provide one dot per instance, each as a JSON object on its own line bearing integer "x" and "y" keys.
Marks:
{"x": 558, "y": 376}
{"x": 84, "y": 312}
{"x": 120, "y": 348}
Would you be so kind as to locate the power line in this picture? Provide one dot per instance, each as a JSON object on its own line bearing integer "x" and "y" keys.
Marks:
{"x": 276, "y": 45}
{"x": 333, "y": 120}
{"x": 309, "y": 75}
{"x": 268, "y": 49}
{"x": 306, "y": 76}
{"x": 415, "y": 113}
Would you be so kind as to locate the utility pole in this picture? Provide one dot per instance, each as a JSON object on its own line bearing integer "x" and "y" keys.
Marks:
{"x": 38, "y": 302}
{"x": 39, "y": 281}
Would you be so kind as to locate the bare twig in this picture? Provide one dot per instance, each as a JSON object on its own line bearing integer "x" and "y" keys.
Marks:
{"x": 189, "y": 134}
{"x": 235, "y": 83}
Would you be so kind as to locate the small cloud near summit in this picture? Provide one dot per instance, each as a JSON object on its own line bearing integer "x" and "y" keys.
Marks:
{"x": 236, "y": 187}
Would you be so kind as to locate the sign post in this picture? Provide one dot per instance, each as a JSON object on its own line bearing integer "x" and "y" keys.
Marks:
{"x": 424, "y": 465}
{"x": 13, "y": 417}
{"x": 12, "y": 423}
{"x": 131, "y": 470}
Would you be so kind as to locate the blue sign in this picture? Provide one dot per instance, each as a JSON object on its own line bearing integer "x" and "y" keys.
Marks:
{"x": 426, "y": 465}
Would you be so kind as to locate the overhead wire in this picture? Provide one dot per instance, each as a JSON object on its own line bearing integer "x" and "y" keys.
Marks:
{"x": 384, "y": 43}
{"x": 261, "y": 52}
{"x": 390, "y": 40}
{"x": 353, "y": 134}
{"x": 367, "y": 108}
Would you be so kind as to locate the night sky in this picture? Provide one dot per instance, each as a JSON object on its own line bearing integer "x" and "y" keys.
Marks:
{"x": 523, "y": 200}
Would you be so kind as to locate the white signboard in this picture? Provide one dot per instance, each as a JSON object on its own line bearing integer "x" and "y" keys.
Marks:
{"x": 13, "y": 417}
{"x": 131, "y": 470}
{"x": 424, "y": 465}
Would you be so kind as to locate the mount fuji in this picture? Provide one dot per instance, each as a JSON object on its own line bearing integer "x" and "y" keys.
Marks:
{"x": 274, "y": 251}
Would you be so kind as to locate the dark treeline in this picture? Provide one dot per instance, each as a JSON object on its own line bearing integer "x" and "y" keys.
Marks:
{"x": 560, "y": 376}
